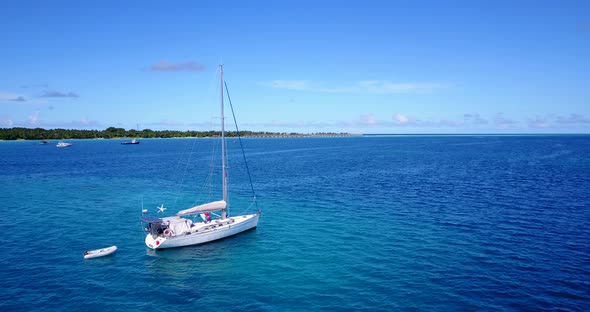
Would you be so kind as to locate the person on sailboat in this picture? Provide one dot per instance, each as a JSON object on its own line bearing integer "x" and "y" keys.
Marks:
{"x": 206, "y": 216}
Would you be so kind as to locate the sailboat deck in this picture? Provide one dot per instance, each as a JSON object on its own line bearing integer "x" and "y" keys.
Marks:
{"x": 201, "y": 227}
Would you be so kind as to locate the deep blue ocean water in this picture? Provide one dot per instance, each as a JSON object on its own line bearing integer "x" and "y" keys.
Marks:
{"x": 416, "y": 223}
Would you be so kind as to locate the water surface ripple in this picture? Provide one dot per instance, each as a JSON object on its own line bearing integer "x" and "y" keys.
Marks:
{"x": 486, "y": 223}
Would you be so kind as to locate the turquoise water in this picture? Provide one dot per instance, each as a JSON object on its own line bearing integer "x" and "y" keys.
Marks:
{"x": 422, "y": 223}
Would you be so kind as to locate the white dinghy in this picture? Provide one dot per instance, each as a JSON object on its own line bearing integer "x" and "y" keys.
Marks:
{"x": 89, "y": 254}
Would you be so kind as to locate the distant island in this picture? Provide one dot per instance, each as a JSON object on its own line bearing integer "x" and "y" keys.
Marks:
{"x": 19, "y": 133}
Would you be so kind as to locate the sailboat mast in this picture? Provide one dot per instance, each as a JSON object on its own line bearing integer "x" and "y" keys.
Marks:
{"x": 223, "y": 165}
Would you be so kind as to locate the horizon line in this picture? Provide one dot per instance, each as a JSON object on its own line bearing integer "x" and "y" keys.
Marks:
{"x": 317, "y": 132}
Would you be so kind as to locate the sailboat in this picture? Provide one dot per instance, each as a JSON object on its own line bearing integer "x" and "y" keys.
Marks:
{"x": 134, "y": 141}
{"x": 63, "y": 144}
{"x": 180, "y": 230}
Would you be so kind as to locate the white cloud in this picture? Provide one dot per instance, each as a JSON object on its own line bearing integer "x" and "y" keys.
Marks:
{"x": 404, "y": 120}
{"x": 539, "y": 122}
{"x": 556, "y": 122}
{"x": 572, "y": 119}
{"x": 401, "y": 119}
{"x": 368, "y": 119}
{"x": 6, "y": 122}
{"x": 34, "y": 119}
{"x": 87, "y": 122}
{"x": 474, "y": 119}
{"x": 503, "y": 122}
{"x": 469, "y": 122}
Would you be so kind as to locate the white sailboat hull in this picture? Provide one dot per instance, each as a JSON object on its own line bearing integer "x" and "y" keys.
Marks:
{"x": 207, "y": 233}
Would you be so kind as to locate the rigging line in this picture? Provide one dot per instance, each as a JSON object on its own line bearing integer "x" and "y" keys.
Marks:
{"x": 212, "y": 81}
{"x": 205, "y": 188}
{"x": 172, "y": 185}
{"x": 209, "y": 183}
{"x": 240, "y": 140}
{"x": 188, "y": 161}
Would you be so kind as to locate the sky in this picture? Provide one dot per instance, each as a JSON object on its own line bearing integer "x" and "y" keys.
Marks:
{"x": 298, "y": 66}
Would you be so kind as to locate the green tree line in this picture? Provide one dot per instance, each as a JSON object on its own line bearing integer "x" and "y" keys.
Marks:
{"x": 19, "y": 133}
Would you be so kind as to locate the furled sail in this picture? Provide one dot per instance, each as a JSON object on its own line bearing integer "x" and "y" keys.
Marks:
{"x": 212, "y": 206}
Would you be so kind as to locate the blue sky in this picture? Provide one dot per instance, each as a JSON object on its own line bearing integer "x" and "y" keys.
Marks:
{"x": 298, "y": 66}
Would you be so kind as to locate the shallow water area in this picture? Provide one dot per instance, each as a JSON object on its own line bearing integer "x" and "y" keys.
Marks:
{"x": 444, "y": 223}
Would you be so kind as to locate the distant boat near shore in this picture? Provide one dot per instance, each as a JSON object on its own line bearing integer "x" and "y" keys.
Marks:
{"x": 63, "y": 144}
{"x": 134, "y": 141}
